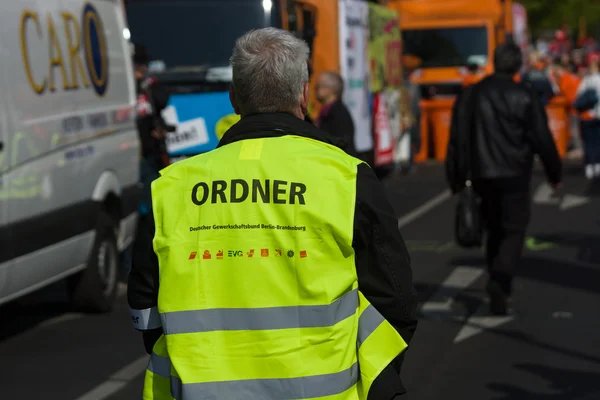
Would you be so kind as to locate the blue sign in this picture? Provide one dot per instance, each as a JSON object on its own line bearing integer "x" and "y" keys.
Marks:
{"x": 201, "y": 120}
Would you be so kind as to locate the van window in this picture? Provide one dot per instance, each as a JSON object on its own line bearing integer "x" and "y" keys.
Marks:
{"x": 195, "y": 32}
{"x": 447, "y": 47}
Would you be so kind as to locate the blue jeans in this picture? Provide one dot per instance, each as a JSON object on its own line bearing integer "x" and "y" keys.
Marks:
{"x": 590, "y": 133}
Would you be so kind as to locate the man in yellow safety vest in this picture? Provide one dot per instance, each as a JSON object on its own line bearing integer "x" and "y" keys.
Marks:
{"x": 278, "y": 270}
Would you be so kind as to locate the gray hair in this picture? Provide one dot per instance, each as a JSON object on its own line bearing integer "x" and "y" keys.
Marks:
{"x": 270, "y": 68}
{"x": 334, "y": 81}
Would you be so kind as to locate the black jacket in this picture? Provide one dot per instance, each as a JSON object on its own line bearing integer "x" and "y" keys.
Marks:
{"x": 338, "y": 122}
{"x": 540, "y": 84}
{"x": 498, "y": 126}
{"x": 382, "y": 261}
{"x": 151, "y": 100}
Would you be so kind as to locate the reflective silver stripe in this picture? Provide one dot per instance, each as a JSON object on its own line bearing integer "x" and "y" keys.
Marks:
{"x": 259, "y": 389}
{"x": 145, "y": 320}
{"x": 238, "y": 319}
{"x": 368, "y": 321}
{"x": 160, "y": 365}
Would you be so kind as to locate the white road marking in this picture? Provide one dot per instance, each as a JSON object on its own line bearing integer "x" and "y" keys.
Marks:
{"x": 104, "y": 390}
{"x": 562, "y": 315}
{"x": 61, "y": 319}
{"x": 480, "y": 321}
{"x": 132, "y": 370}
{"x": 572, "y": 201}
{"x": 424, "y": 208}
{"x": 440, "y": 304}
{"x": 545, "y": 195}
{"x": 117, "y": 381}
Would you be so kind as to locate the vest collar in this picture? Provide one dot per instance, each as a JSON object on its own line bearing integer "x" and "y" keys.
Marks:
{"x": 266, "y": 125}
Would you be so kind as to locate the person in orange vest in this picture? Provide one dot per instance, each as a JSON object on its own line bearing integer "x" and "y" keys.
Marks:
{"x": 568, "y": 83}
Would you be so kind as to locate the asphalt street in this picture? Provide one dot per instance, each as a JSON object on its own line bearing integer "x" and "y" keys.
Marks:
{"x": 547, "y": 349}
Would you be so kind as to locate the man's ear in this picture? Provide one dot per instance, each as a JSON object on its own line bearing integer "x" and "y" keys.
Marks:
{"x": 233, "y": 100}
{"x": 304, "y": 103}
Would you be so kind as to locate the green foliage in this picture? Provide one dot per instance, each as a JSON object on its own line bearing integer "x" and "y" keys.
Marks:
{"x": 552, "y": 14}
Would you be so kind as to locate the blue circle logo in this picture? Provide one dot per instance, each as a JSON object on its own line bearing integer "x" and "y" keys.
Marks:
{"x": 96, "y": 53}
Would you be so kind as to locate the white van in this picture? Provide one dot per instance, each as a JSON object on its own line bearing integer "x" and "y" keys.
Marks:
{"x": 69, "y": 148}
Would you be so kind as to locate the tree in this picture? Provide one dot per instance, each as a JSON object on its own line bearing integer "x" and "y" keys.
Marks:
{"x": 553, "y": 14}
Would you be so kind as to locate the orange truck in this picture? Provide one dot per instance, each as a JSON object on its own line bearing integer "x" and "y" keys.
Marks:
{"x": 316, "y": 22}
{"x": 446, "y": 37}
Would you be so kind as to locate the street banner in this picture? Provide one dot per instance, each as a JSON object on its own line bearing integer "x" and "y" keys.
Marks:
{"x": 520, "y": 26}
{"x": 385, "y": 48}
{"x": 354, "y": 30}
{"x": 384, "y": 138}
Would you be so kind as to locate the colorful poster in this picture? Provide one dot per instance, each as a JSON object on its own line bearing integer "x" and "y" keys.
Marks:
{"x": 354, "y": 30}
{"x": 201, "y": 120}
{"x": 385, "y": 48}
{"x": 384, "y": 139}
{"x": 520, "y": 26}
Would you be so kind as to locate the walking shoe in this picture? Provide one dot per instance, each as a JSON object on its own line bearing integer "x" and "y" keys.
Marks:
{"x": 499, "y": 300}
{"x": 589, "y": 171}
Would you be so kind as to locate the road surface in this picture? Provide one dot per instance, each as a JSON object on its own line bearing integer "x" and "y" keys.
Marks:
{"x": 548, "y": 349}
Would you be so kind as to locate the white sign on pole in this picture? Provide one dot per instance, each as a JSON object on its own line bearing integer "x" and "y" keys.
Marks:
{"x": 189, "y": 133}
{"x": 354, "y": 59}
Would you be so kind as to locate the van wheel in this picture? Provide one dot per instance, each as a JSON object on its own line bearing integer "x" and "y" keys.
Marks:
{"x": 95, "y": 288}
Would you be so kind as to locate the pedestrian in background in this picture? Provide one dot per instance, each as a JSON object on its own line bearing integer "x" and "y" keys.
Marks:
{"x": 538, "y": 79}
{"x": 497, "y": 127}
{"x": 334, "y": 117}
{"x": 590, "y": 118}
{"x": 151, "y": 99}
{"x": 568, "y": 84}
{"x": 322, "y": 307}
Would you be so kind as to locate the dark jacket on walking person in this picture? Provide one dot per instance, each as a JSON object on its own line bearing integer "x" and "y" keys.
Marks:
{"x": 497, "y": 128}
{"x": 334, "y": 117}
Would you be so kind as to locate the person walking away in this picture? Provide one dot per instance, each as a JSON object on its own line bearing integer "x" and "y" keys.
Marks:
{"x": 590, "y": 120}
{"x": 497, "y": 127}
{"x": 580, "y": 62}
{"x": 282, "y": 270}
{"x": 568, "y": 84}
{"x": 537, "y": 78}
{"x": 410, "y": 65}
{"x": 150, "y": 101}
{"x": 334, "y": 117}
{"x": 566, "y": 61}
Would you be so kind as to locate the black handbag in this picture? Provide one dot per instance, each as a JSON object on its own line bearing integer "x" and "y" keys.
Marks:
{"x": 586, "y": 100}
{"x": 468, "y": 226}
{"x": 468, "y": 223}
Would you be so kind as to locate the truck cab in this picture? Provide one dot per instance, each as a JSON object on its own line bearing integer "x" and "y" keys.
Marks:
{"x": 446, "y": 36}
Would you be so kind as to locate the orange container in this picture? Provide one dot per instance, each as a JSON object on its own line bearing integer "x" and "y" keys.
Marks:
{"x": 423, "y": 154}
{"x": 438, "y": 113}
{"x": 558, "y": 121}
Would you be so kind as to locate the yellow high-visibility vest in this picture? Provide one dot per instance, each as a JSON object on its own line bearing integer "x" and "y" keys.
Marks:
{"x": 259, "y": 297}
